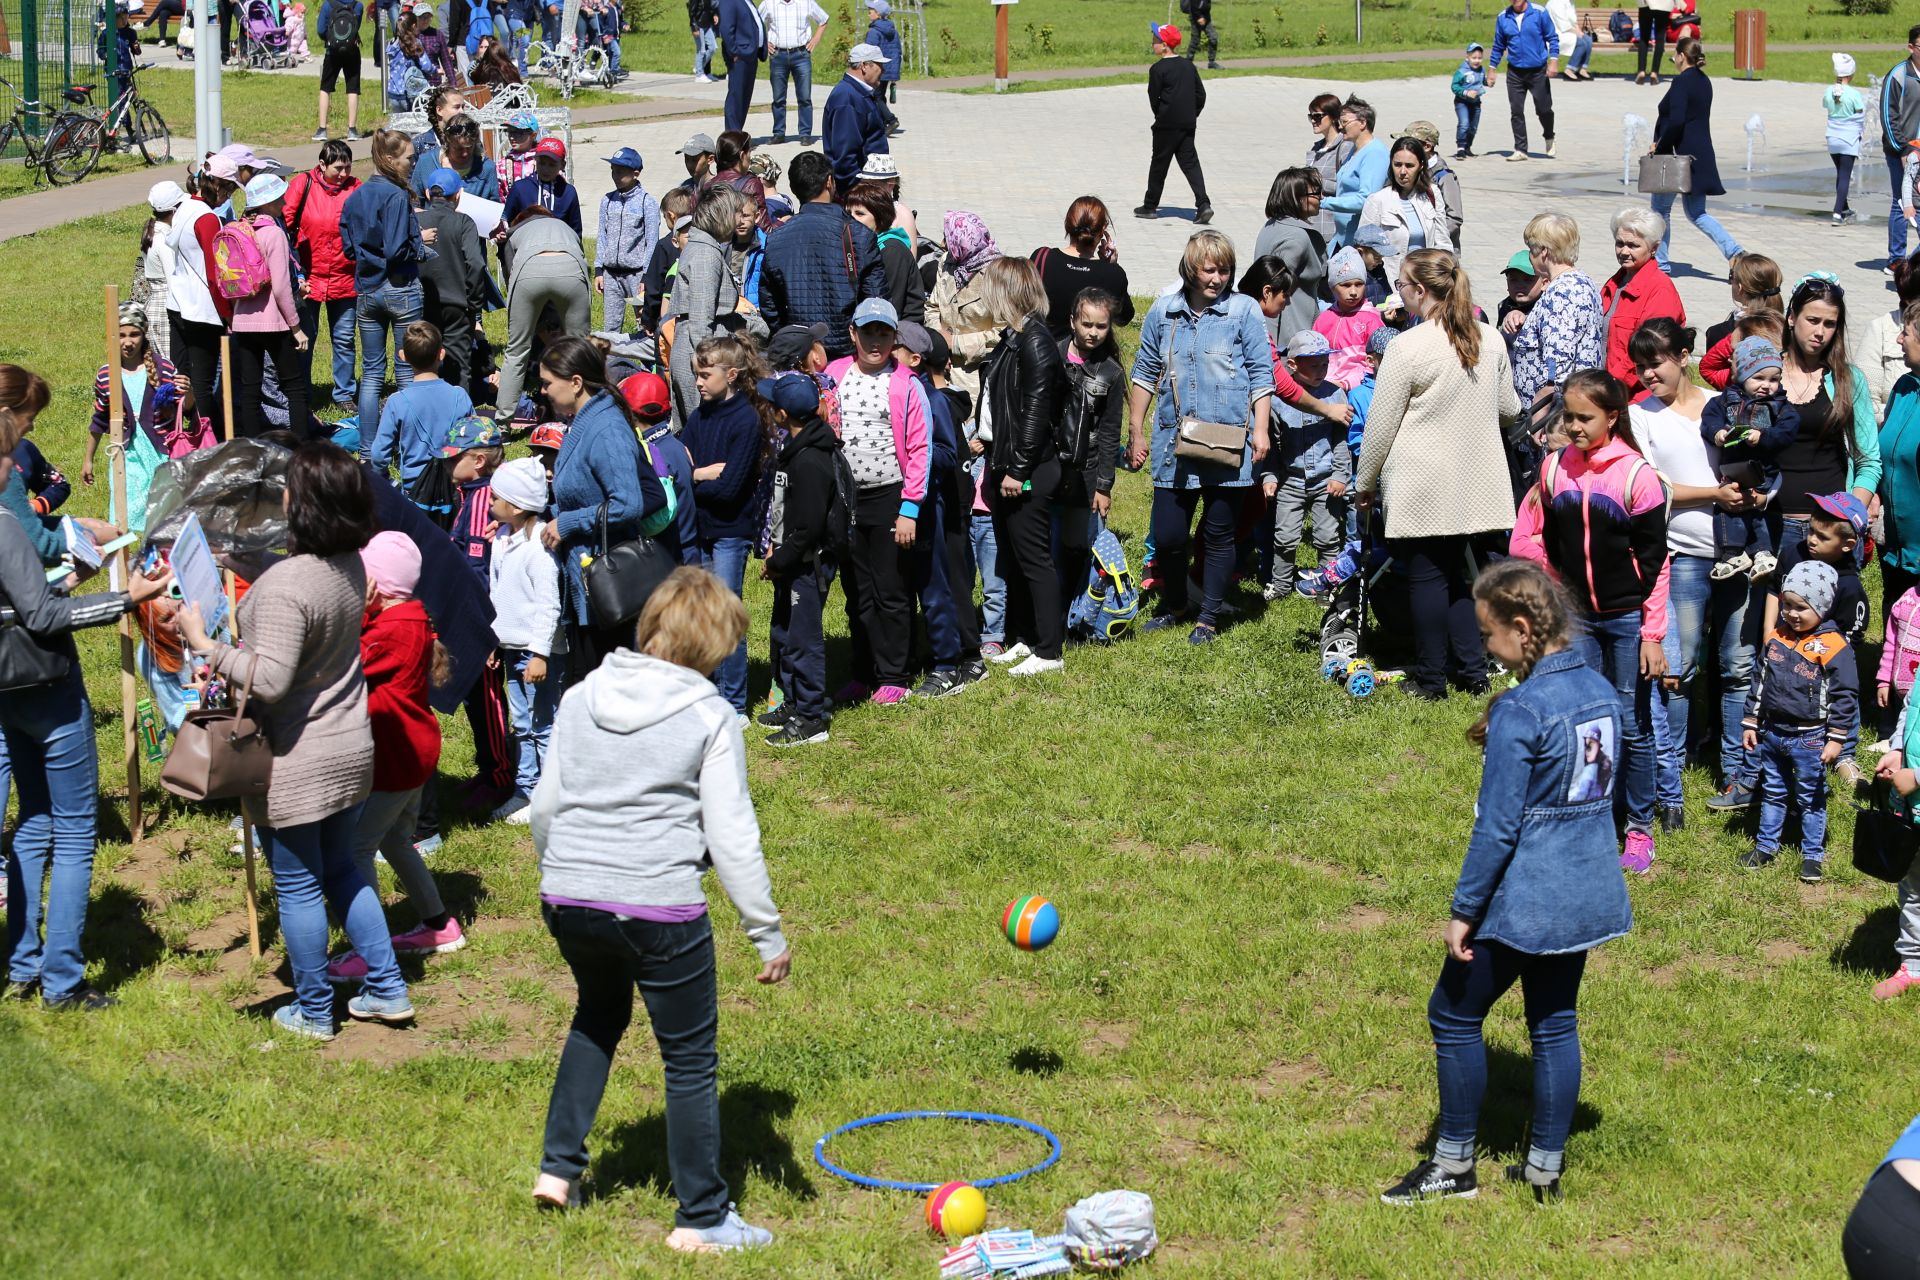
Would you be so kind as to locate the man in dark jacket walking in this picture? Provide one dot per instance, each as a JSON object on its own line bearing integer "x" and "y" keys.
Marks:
{"x": 854, "y": 125}
{"x": 743, "y": 42}
{"x": 820, "y": 263}
{"x": 1178, "y": 98}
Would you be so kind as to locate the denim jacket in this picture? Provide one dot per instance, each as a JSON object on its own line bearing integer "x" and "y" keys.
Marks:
{"x": 1216, "y": 365}
{"x": 1308, "y": 445}
{"x": 1542, "y": 872}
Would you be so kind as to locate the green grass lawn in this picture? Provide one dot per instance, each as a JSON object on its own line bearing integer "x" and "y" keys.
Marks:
{"x": 1252, "y": 869}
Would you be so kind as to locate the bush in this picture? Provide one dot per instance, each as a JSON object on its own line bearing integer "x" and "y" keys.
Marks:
{"x": 640, "y": 14}
{"x": 1867, "y": 8}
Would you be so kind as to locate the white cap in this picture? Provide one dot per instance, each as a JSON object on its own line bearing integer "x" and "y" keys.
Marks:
{"x": 864, "y": 52}
{"x": 1843, "y": 64}
{"x": 166, "y": 196}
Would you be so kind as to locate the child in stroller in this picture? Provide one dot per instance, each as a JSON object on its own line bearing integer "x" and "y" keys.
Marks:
{"x": 263, "y": 36}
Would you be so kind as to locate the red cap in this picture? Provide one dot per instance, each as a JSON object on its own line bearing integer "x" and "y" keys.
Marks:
{"x": 647, "y": 395}
{"x": 551, "y": 147}
{"x": 1168, "y": 35}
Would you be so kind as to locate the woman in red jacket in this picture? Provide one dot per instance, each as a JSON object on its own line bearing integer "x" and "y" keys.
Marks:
{"x": 1638, "y": 291}
{"x": 400, "y": 659}
{"x": 313, "y": 224}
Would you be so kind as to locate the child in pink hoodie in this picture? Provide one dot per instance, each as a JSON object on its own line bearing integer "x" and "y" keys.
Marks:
{"x": 1900, "y": 654}
{"x": 267, "y": 323}
{"x": 1347, "y": 323}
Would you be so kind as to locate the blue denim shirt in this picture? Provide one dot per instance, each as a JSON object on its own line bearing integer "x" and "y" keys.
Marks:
{"x": 1542, "y": 872}
{"x": 1217, "y": 365}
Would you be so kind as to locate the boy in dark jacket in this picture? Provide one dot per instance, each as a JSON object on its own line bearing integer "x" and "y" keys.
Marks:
{"x": 1201, "y": 11}
{"x": 807, "y": 507}
{"x": 1804, "y": 704}
{"x": 1750, "y": 423}
{"x": 952, "y": 631}
{"x": 1177, "y": 97}
{"x": 472, "y": 452}
{"x": 455, "y": 282}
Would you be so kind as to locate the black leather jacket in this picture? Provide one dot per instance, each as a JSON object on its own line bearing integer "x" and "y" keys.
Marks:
{"x": 1027, "y": 384}
{"x": 1090, "y": 423}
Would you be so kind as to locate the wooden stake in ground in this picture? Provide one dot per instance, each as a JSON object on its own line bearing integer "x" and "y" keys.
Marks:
{"x": 233, "y": 623}
{"x": 122, "y": 563}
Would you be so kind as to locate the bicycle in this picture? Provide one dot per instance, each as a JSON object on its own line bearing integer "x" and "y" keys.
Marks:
{"x": 68, "y": 141}
{"x": 569, "y": 65}
{"x": 141, "y": 120}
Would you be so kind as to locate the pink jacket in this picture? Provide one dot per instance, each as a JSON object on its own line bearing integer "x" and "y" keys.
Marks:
{"x": 912, "y": 430}
{"x": 1348, "y": 334}
{"x": 1900, "y": 652}
{"x": 272, "y": 310}
{"x": 1608, "y": 544}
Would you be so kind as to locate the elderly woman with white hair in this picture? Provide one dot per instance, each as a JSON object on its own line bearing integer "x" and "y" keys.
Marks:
{"x": 1638, "y": 291}
{"x": 1566, "y": 330}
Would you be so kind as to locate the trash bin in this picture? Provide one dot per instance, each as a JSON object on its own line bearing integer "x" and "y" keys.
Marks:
{"x": 1750, "y": 41}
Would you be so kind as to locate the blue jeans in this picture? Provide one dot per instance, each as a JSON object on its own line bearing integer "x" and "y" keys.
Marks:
{"x": 726, "y": 559}
{"x": 390, "y": 308}
{"x": 518, "y": 39}
{"x": 1582, "y": 52}
{"x": 1699, "y": 611}
{"x": 313, "y": 868}
{"x": 993, "y": 587}
{"x": 1466, "y": 123}
{"x": 1896, "y": 220}
{"x": 49, "y": 736}
{"x": 530, "y": 710}
{"x": 797, "y": 63}
{"x": 340, "y": 332}
{"x": 1790, "y": 760}
{"x": 705, "y": 41}
{"x": 1611, "y": 646}
{"x": 1695, "y": 207}
{"x": 1462, "y": 998}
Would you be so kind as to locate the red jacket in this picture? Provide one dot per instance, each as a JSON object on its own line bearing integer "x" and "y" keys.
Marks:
{"x": 1717, "y": 365}
{"x": 396, "y": 657}
{"x": 316, "y": 237}
{"x": 1644, "y": 296}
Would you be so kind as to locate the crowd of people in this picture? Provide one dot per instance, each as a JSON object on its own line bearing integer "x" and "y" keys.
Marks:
{"x": 1654, "y": 536}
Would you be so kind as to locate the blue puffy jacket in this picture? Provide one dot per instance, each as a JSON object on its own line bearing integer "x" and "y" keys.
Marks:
{"x": 804, "y": 279}
{"x": 853, "y": 127}
{"x": 884, "y": 36}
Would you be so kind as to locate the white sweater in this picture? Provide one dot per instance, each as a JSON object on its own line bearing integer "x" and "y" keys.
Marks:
{"x": 523, "y": 579}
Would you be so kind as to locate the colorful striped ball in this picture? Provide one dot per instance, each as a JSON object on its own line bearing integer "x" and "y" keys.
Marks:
{"x": 1031, "y": 922}
{"x": 956, "y": 1210}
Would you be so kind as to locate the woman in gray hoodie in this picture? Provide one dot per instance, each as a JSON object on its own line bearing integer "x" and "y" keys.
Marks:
{"x": 645, "y": 786}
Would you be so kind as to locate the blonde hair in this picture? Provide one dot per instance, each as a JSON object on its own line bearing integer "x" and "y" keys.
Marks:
{"x": 1011, "y": 290}
{"x": 1555, "y": 235}
{"x": 389, "y": 147}
{"x": 1519, "y": 588}
{"x": 718, "y": 210}
{"x": 692, "y": 621}
{"x": 1439, "y": 273}
{"x": 1203, "y": 247}
{"x": 1758, "y": 279}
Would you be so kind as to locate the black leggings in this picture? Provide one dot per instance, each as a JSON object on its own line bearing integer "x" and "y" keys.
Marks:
{"x": 1172, "y": 524}
{"x": 196, "y": 353}
{"x": 1440, "y": 573}
{"x": 163, "y": 12}
{"x": 1882, "y": 1236}
{"x": 1653, "y": 34}
{"x": 1023, "y": 527}
{"x": 290, "y": 370}
{"x": 1842, "y": 181}
{"x": 879, "y": 600}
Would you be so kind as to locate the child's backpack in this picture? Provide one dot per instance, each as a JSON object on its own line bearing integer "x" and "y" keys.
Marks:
{"x": 342, "y": 33}
{"x": 1620, "y": 27}
{"x": 1111, "y": 601}
{"x": 841, "y": 507}
{"x": 239, "y": 268}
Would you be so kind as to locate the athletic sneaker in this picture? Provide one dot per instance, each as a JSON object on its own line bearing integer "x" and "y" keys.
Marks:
{"x": 775, "y": 717}
{"x": 1811, "y": 871}
{"x": 512, "y": 805}
{"x": 731, "y": 1234}
{"x": 1754, "y": 859}
{"x": 971, "y": 672}
{"x": 1331, "y": 574}
{"x": 354, "y": 135}
{"x": 1278, "y": 589}
{"x": 891, "y": 695}
{"x": 1427, "y": 1181}
{"x": 371, "y": 1008}
{"x": 1732, "y": 798}
{"x": 1515, "y": 155}
{"x": 798, "y": 732}
{"x": 1035, "y": 665}
{"x": 1549, "y": 148}
{"x": 1637, "y": 856}
{"x": 289, "y": 1018}
{"x": 345, "y": 968}
{"x": 938, "y": 684}
{"x": 1543, "y": 1193}
{"x": 1202, "y": 634}
{"x": 320, "y": 135}
{"x": 428, "y": 847}
{"x": 1008, "y": 654}
{"x": 1888, "y": 988}
{"x": 423, "y": 941}
{"x": 992, "y": 649}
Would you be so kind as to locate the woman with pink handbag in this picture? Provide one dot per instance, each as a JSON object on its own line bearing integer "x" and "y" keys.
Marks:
{"x": 154, "y": 399}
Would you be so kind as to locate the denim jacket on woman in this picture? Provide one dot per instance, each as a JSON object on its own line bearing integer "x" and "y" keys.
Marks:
{"x": 1542, "y": 872}
{"x": 1217, "y": 365}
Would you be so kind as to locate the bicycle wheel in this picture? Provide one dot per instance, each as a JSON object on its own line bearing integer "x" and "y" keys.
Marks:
{"x": 72, "y": 148}
{"x": 150, "y": 134}
{"x": 6, "y": 135}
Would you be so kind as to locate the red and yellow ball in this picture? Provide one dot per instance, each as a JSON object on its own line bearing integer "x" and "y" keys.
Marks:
{"x": 956, "y": 1210}
{"x": 1030, "y": 923}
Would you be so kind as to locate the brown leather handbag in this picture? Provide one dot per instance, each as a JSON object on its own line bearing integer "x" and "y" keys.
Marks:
{"x": 220, "y": 754}
{"x": 1196, "y": 439}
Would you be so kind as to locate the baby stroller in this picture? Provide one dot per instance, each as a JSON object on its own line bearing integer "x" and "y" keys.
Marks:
{"x": 264, "y": 45}
{"x": 1368, "y": 613}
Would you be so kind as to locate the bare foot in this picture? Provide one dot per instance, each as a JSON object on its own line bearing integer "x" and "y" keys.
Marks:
{"x": 550, "y": 1192}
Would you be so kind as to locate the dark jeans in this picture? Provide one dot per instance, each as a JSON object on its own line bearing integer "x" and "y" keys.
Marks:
{"x": 1522, "y": 81}
{"x": 1842, "y": 181}
{"x": 455, "y": 323}
{"x": 290, "y": 365}
{"x": 196, "y": 353}
{"x": 672, "y": 964}
{"x": 1170, "y": 145}
{"x": 1171, "y": 523}
{"x": 1440, "y": 573}
{"x": 952, "y": 631}
{"x": 1023, "y": 526}
{"x": 1462, "y": 998}
{"x": 1653, "y": 32}
{"x": 879, "y": 605}
{"x": 797, "y": 643}
{"x": 588, "y": 646}
{"x": 1611, "y": 646}
{"x": 1790, "y": 766}
{"x": 741, "y": 73}
{"x": 1882, "y": 1236}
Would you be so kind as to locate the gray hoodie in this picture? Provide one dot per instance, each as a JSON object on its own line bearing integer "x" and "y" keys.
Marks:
{"x": 644, "y": 787}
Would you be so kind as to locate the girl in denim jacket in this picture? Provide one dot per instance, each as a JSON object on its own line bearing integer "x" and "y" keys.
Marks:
{"x": 1540, "y": 885}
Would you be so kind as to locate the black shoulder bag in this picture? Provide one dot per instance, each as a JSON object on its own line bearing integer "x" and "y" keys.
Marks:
{"x": 621, "y": 579}
{"x": 1884, "y": 842}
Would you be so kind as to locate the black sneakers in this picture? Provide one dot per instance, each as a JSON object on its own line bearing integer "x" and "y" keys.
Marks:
{"x": 1753, "y": 860}
{"x": 1811, "y": 871}
{"x": 85, "y": 1000}
{"x": 1673, "y": 820}
{"x": 1204, "y": 214}
{"x": 774, "y": 717}
{"x": 1147, "y": 211}
{"x": 1543, "y": 1193}
{"x": 1427, "y": 1181}
{"x": 799, "y": 733}
{"x": 938, "y": 684}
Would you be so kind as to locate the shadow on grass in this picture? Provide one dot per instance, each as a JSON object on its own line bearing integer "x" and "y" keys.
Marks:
{"x": 1870, "y": 949}
{"x": 1035, "y": 1061}
{"x": 751, "y": 1144}
{"x": 118, "y": 933}
{"x": 1507, "y": 1112}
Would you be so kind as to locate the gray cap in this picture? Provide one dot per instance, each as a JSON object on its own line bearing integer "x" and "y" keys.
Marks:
{"x": 698, "y": 145}
{"x": 876, "y": 311}
{"x": 864, "y": 52}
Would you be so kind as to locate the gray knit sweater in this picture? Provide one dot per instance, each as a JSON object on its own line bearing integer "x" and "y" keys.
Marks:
{"x": 643, "y": 788}
{"x": 301, "y": 623}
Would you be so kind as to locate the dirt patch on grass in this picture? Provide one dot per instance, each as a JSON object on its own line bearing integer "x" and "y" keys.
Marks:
{"x": 1782, "y": 951}
{"x": 1664, "y": 975}
{"x": 1133, "y": 848}
{"x": 1105, "y": 1038}
{"x": 1197, "y": 852}
{"x": 1362, "y": 919}
{"x": 1289, "y": 1077}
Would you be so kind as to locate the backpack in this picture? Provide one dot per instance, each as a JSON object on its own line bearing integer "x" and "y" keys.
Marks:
{"x": 342, "y": 32}
{"x": 1111, "y": 601}
{"x": 239, "y": 268}
{"x": 840, "y": 508}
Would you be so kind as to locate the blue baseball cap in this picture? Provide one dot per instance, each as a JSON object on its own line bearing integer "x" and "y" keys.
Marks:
{"x": 627, "y": 158}
{"x": 446, "y": 180}
{"x": 1844, "y": 506}
{"x": 791, "y": 393}
{"x": 1372, "y": 237}
{"x": 524, "y": 120}
{"x": 876, "y": 311}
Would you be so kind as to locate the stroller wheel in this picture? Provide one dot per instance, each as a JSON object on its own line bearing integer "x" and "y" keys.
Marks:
{"x": 1341, "y": 644}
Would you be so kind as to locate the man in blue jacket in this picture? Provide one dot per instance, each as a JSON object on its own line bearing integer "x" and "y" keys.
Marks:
{"x": 807, "y": 277}
{"x": 1528, "y": 34}
{"x": 743, "y": 41}
{"x": 855, "y": 124}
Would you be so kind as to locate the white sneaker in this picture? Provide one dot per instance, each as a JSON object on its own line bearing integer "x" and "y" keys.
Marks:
{"x": 1515, "y": 155}
{"x": 1037, "y": 666}
{"x": 1763, "y": 564}
{"x": 1014, "y": 653}
{"x": 1549, "y": 149}
{"x": 520, "y": 817}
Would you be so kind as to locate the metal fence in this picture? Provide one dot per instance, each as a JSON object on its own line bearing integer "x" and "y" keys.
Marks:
{"x": 46, "y": 45}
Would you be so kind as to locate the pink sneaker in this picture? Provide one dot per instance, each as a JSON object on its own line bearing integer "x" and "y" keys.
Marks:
{"x": 890, "y": 695}
{"x": 1888, "y": 988}
{"x": 348, "y": 967}
{"x": 1637, "y": 857}
{"x": 422, "y": 941}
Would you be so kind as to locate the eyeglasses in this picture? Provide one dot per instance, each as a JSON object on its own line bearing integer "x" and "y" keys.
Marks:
{"x": 1313, "y": 116}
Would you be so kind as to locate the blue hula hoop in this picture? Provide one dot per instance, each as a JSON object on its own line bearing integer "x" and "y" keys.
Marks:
{"x": 976, "y": 1117}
